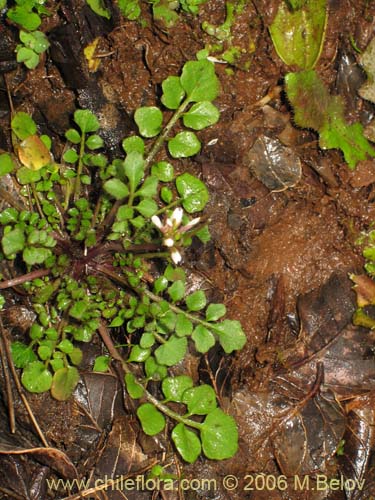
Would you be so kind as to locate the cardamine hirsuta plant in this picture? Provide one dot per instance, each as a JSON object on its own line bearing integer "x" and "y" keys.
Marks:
{"x": 84, "y": 237}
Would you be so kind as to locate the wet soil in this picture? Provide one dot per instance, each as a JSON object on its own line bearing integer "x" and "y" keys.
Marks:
{"x": 278, "y": 260}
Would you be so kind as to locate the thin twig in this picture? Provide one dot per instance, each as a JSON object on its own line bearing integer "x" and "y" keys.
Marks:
{"x": 19, "y": 387}
{"x": 10, "y": 400}
{"x": 39, "y": 273}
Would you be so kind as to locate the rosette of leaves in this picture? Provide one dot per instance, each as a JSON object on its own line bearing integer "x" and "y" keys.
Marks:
{"x": 79, "y": 278}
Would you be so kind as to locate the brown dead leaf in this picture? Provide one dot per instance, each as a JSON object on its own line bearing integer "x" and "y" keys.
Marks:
{"x": 276, "y": 166}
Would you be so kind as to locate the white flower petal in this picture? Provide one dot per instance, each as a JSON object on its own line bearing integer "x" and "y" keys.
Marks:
{"x": 168, "y": 242}
{"x": 189, "y": 225}
{"x": 176, "y": 256}
{"x": 176, "y": 216}
{"x": 155, "y": 220}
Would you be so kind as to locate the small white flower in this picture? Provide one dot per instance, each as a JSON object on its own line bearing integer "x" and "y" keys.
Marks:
{"x": 176, "y": 217}
{"x": 156, "y": 220}
{"x": 176, "y": 256}
{"x": 168, "y": 242}
{"x": 172, "y": 231}
{"x": 189, "y": 225}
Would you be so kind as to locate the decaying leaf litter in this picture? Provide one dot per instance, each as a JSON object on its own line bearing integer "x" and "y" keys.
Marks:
{"x": 301, "y": 390}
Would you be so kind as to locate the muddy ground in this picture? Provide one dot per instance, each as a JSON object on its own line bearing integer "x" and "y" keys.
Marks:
{"x": 278, "y": 260}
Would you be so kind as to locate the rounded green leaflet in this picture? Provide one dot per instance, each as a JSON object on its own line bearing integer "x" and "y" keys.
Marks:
{"x": 64, "y": 382}
{"x": 201, "y": 115}
{"x": 199, "y": 80}
{"x": 133, "y": 143}
{"x": 183, "y": 326}
{"x": 73, "y": 136}
{"x": 101, "y": 364}
{"x": 94, "y": 142}
{"x": 135, "y": 390}
{"x": 27, "y": 175}
{"x": 187, "y": 443}
{"x": 35, "y": 255}
{"x": 172, "y": 352}
{"x": 6, "y": 164}
{"x": 151, "y": 419}
{"x": 200, "y": 400}
{"x": 37, "y": 41}
{"x": 177, "y": 290}
{"x": 147, "y": 207}
{"x": 23, "y": 17}
{"x": 44, "y": 352}
{"x": 76, "y": 356}
{"x": 139, "y": 355}
{"x": 22, "y": 354}
{"x": 86, "y": 120}
{"x": 36, "y": 377}
{"x": 154, "y": 370}
{"x": 66, "y": 346}
{"x": 173, "y": 93}
{"x": 184, "y": 144}
{"x": 116, "y": 188}
{"x": 70, "y": 156}
{"x": 98, "y": 6}
{"x": 203, "y": 339}
{"x": 147, "y": 340}
{"x": 215, "y": 312}
{"x": 196, "y": 301}
{"x": 149, "y": 120}
{"x": 13, "y": 241}
{"x": 174, "y": 387}
{"x": 231, "y": 336}
{"x": 23, "y": 125}
{"x": 219, "y": 435}
{"x": 193, "y": 192}
{"x": 163, "y": 170}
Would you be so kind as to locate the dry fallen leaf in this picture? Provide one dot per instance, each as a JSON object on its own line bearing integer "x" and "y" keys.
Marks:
{"x": 275, "y": 165}
{"x": 33, "y": 153}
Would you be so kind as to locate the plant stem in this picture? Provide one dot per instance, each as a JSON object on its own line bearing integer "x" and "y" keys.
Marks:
{"x": 77, "y": 186}
{"x": 160, "y": 140}
{"x": 126, "y": 367}
{"x": 178, "y": 310}
{"x": 39, "y": 273}
{"x": 167, "y": 207}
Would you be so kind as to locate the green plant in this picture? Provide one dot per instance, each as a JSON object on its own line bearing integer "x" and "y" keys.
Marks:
{"x": 225, "y": 48}
{"x": 26, "y": 14}
{"x": 298, "y": 33}
{"x": 86, "y": 243}
{"x": 33, "y": 44}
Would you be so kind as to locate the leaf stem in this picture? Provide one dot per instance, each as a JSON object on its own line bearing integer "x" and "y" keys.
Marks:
{"x": 162, "y": 137}
{"x": 178, "y": 310}
{"x": 39, "y": 273}
{"x": 104, "y": 334}
{"x": 77, "y": 186}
